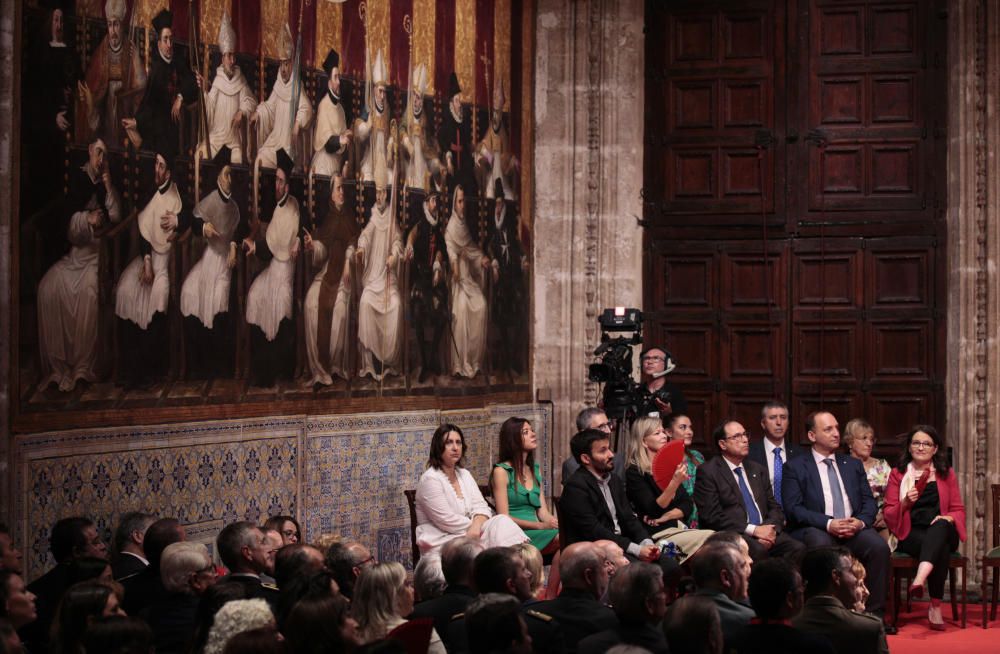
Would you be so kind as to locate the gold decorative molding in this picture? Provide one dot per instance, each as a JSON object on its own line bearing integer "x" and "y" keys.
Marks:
{"x": 273, "y": 16}
{"x": 211, "y": 18}
{"x": 501, "y": 48}
{"x": 465, "y": 47}
{"x": 424, "y": 13}
{"x": 329, "y": 18}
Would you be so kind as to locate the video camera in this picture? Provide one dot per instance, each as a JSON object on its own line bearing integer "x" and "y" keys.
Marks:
{"x": 622, "y": 394}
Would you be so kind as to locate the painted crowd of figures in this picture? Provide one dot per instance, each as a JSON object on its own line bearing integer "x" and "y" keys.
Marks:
{"x": 433, "y": 242}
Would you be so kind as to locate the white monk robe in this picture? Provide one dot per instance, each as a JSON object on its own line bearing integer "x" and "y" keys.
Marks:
{"x": 421, "y": 161}
{"x": 468, "y": 304}
{"x": 269, "y": 300}
{"x": 134, "y": 300}
{"x": 380, "y": 310}
{"x": 205, "y": 292}
{"x": 338, "y": 328}
{"x": 67, "y": 299}
{"x": 273, "y": 121}
{"x": 331, "y": 122}
{"x": 226, "y": 97}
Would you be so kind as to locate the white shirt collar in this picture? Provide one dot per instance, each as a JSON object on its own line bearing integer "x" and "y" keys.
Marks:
{"x": 769, "y": 445}
{"x": 819, "y": 458}
{"x": 732, "y": 466}
{"x": 144, "y": 561}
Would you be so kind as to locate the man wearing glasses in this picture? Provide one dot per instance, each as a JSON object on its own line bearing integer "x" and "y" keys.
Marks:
{"x": 656, "y": 363}
{"x": 829, "y": 502}
{"x": 591, "y": 418}
{"x": 734, "y": 494}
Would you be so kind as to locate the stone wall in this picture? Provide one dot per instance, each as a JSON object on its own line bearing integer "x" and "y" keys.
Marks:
{"x": 588, "y": 174}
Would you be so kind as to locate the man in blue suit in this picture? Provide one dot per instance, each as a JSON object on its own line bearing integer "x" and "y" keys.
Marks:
{"x": 774, "y": 450}
{"x": 828, "y": 502}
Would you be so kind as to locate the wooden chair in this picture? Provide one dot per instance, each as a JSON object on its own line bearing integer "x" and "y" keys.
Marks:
{"x": 903, "y": 566}
{"x": 411, "y": 502}
{"x": 992, "y": 558}
{"x": 414, "y": 635}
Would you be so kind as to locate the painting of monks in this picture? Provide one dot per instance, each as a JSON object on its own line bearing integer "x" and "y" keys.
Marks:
{"x": 254, "y": 207}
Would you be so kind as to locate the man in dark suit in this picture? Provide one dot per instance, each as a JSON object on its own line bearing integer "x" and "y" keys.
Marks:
{"x": 721, "y": 573}
{"x": 640, "y": 600}
{"x": 734, "y": 494}
{"x": 829, "y": 502}
{"x": 830, "y": 588}
{"x": 457, "y": 558}
{"x": 583, "y": 569}
{"x": 774, "y": 451}
{"x": 499, "y": 570}
{"x": 244, "y": 550}
{"x": 594, "y": 505}
{"x": 776, "y": 596}
{"x": 71, "y": 538}
{"x": 146, "y": 588}
{"x": 130, "y": 558}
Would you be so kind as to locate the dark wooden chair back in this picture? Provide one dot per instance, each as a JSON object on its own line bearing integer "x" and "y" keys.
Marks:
{"x": 415, "y": 635}
{"x": 995, "y": 488}
{"x": 411, "y": 501}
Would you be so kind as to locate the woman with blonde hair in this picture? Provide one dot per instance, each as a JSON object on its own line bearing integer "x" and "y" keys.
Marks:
{"x": 859, "y": 437}
{"x": 664, "y": 511}
{"x": 382, "y": 597}
{"x": 533, "y": 562}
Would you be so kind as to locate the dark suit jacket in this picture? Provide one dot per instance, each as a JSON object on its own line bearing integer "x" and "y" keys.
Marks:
{"x": 849, "y": 632}
{"x": 759, "y": 455}
{"x": 126, "y": 565}
{"x": 773, "y": 637}
{"x": 454, "y": 601}
{"x": 644, "y": 635}
{"x": 802, "y": 492}
{"x": 720, "y": 502}
{"x": 48, "y": 590}
{"x": 584, "y": 515}
{"x": 255, "y": 588}
{"x": 173, "y": 619}
{"x": 142, "y": 590}
{"x": 579, "y": 614}
{"x": 546, "y": 633}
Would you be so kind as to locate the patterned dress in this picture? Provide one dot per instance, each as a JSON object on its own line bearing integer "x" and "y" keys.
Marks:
{"x": 878, "y": 479}
{"x": 693, "y": 459}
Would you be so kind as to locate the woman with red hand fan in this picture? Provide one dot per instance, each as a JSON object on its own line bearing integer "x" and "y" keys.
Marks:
{"x": 678, "y": 428}
{"x": 655, "y": 473}
{"x": 925, "y": 513}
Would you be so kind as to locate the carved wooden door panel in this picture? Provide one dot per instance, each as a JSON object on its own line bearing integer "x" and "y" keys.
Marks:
{"x": 845, "y": 195}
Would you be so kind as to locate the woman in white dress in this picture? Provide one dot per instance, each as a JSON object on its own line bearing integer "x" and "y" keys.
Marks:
{"x": 449, "y": 503}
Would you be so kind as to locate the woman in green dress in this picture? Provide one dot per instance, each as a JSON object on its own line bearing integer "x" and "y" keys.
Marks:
{"x": 517, "y": 491}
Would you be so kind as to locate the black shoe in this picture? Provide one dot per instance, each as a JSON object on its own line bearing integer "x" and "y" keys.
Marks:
{"x": 890, "y": 629}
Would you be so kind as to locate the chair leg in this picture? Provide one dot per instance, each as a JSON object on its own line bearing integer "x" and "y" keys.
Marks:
{"x": 965, "y": 595}
{"x": 897, "y": 598}
{"x": 982, "y": 592}
{"x": 951, "y": 590}
{"x": 996, "y": 588}
{"x": 909, "y": 600}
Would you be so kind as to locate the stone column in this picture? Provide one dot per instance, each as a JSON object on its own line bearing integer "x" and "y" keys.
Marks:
{"x": 589, "y": 85}
{"x": 7, "y": 189}
{"x": 973, "y": 255}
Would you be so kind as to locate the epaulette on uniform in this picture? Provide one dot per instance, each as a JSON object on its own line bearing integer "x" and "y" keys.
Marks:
{"x": 458, "y": 616}
{"x": 269, "y": 586}
{"x": 538, "y": 614}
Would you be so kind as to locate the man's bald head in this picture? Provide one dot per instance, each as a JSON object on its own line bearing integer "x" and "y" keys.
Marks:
{"x": 584, "y": 566}
{"x": 615, "y": 554}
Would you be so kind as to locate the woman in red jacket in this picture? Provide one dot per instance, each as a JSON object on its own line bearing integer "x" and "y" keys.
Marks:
{"x": 925, "y": 513}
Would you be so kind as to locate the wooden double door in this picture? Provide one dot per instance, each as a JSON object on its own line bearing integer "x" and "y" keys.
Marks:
{"x": 794, "y": 205}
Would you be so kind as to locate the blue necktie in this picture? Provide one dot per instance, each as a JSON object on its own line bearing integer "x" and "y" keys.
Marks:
{"x": 777, "y": 476}
{"x": 753, "y": 513}
{"x": 838, "y": 497}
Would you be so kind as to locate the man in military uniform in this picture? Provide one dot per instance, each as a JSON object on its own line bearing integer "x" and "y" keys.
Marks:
{"x": 583, "y": 570}
{"x": 499, "y": 570}
{"x": 508, "y": 262}
{"x": 114, "y": 71}
{"x": 830, "y": 589}
{"x": 426, "y": 250}
{"x": 332, "y": 136}
{"x": 171, "y": 86}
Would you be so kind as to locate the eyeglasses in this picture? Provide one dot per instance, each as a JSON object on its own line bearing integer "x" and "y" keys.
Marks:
{"x": 604, "y": 426}
{"x": 370, "y": 559}
{"x": 742, "y": 436}
{"x": 922, "y": 445}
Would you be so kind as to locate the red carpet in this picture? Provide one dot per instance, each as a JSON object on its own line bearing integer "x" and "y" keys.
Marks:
{"x": 915, "y": 637}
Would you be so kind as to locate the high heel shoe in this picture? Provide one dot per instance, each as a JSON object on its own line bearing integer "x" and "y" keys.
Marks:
{"x": 935, "y": 626}
{"x": 916, "y": 591}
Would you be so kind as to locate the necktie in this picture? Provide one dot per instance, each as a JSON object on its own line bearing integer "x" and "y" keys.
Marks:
{"x": 838, "y": 498}
{"x": 753, "y": 513}
{"x": 777, "y": 476}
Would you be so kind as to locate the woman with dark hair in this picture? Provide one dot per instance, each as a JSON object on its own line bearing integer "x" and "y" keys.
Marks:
{"x": 925, "y": 513}
{"x": 449, "y": 503}
{"x": 287, "y": 526}
{"x": 517, "y": 485}
{"x": 318, "y": 625}
{"x": 678, "y": 427}
{"x": 118, "y": 634}
{"x": 17, "y": 603}
{"x": 79, "y": 606}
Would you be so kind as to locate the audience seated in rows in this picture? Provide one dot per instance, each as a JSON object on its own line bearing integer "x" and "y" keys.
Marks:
{"x": 346, "y": 560}
{"x": 186, "y": 572}
{"x": 457, "y": 559}
{"x": 692, "y": 626}
{"x": 244, "y": 550}
{"x": 129, "y": 558}
{"x": 721, "y": 573}
{"x": 639, "y": 599}
{"x": 383, "y": 598}
{"x": 145, "y": 588}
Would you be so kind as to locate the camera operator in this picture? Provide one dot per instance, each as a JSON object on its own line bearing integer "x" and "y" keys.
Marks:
{"x": 662, "y": 397}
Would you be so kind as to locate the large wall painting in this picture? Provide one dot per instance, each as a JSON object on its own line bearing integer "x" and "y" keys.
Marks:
{"x": 253, "y": 207}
